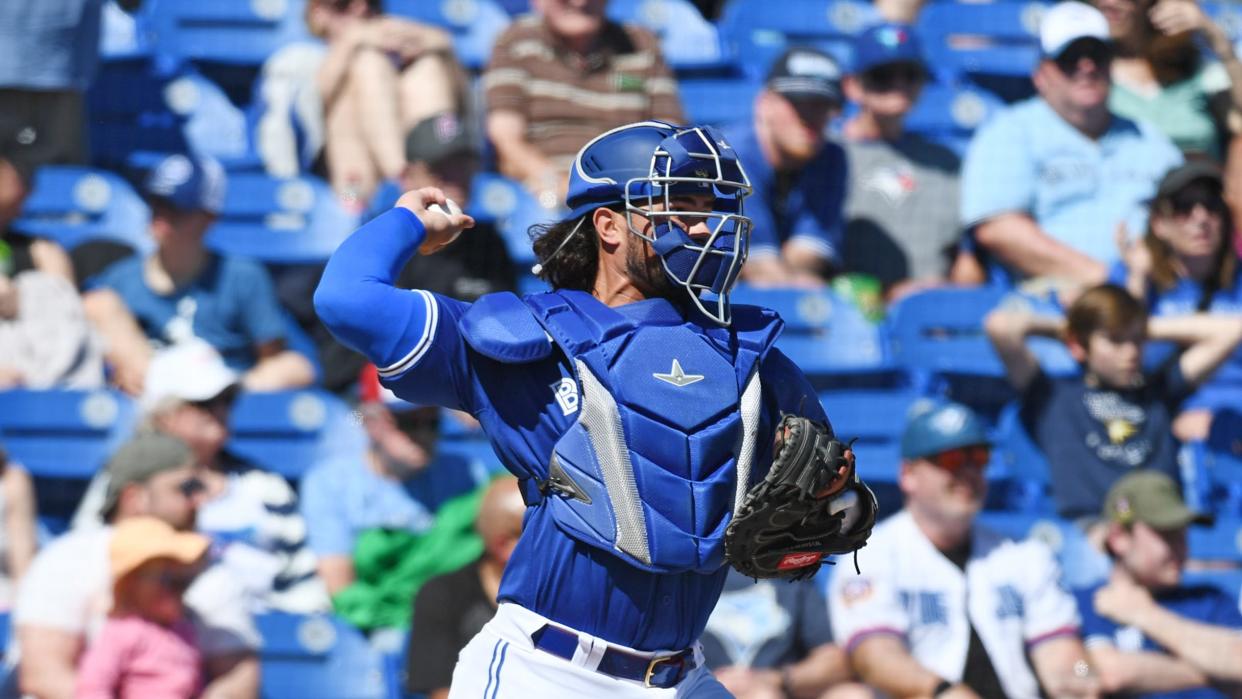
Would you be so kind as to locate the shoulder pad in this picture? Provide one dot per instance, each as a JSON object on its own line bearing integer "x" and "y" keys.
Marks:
{"x": 757, "y": 324}
{"x": 501, "y": 327}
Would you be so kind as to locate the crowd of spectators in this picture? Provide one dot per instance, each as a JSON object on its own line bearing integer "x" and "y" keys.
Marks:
{"x": 1110, "y": 193}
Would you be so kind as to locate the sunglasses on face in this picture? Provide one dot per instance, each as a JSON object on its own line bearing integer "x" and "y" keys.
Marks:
{"x": 891, "y": 77}
{"x": 1099, "y": 53}
{"x": 955, "y": 460}
{"x": 191, "y": 486}
{"x": 1183, "y": 202}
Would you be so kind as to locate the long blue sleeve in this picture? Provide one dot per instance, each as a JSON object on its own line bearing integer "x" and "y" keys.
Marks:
{"x": 357, "y": 300}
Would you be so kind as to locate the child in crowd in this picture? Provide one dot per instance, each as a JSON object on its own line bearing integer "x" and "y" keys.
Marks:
{"x": 1117, "y": 416}
{"x": 146, "y": 649}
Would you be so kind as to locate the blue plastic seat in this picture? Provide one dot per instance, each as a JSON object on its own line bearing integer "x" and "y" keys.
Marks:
{"x": 824, "y": 332}
{"x": 755, "y": 33}
{"x": 474, "y": 24}
{"x": 65, "y": 434}
{"x": 1081, "y": 564}
{"x": 291, "y": 431}
{"x": 514, "y": 210}
{"x": 718, "y": 99}
{"x": 280, "y": 221}
{"x": 950, "y": 113}
{"x": 318, "y": 657}
{"x": 236, "y": 32}
{"x": 1220, "y": 542}
{"x": 997, "y": 38}
{"x": 1221, "y": 464}
{"x": 72, "y": 204}
{"x": 687, "y": 41}
{"x": 1228, "y": 581}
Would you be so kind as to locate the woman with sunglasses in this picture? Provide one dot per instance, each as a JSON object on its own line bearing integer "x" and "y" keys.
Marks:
{"x": 1159, "y": 73}
{"x": 1187, "y": 263}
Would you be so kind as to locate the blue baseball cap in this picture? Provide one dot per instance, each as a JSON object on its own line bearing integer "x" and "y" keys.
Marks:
{"x": 187, "y": 183}
{"x": 943, "y": 427}
{"x": 884, "y": 44}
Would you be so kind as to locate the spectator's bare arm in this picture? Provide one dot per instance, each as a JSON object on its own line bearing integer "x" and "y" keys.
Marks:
{"x": 1062, "y": 668}
{"x": 51, "y": 258}
{"x": 125, "y": 345}
{"x": 278, "y": 369}
{"x": 48, "y": 669}
{"x": 1008, "y": 331}
{"x": 1019, "y": 242}
{"x": 1209, "y": 340}
{"x": 19, "y": 519}
{"x": 826, "y": 665}
{"x": 515, "y": 155}
{"x": 337, "y": 572}
{"x": 1133, "y": 672}
{"x": 234, "y": 676}
{"x": 883, "y": 662}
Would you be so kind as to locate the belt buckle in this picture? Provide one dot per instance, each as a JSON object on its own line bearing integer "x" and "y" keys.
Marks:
{"x": 651, "y": 666}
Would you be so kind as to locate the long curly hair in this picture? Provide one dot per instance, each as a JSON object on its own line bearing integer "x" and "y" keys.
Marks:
{"x": 568, "y": 252}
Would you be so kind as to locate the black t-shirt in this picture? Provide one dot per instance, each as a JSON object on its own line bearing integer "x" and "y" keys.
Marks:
{"x": 1093, "y": 436}
{"x": 477, "y": 263}
{"x": 94, "y": 256}
{"x": 449, "y": 610}
{"x": 979, "y": 673}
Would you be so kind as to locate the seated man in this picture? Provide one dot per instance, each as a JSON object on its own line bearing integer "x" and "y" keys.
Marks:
{"x": 798, "y": 175}
{"x": 901, "y": 222}
{"x": 1046, "y": 182}
{"x": 1147, "y": 632}
{"x": 1116, "y": 416}
{"x": 944, "y": 607}
{"x": 451, "y": 608}
{"x": 771, "y": 639}
{"x": 562, "y": 76}
{"x": 184, "y": 291}
{"x": 67, "y": 591}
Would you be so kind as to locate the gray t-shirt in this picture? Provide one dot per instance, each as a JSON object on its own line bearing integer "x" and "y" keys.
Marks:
{"x": 902, "y": 209}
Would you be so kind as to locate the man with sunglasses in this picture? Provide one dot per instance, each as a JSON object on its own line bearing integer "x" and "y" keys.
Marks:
{"x": 1047, "y": 182}
{"x": 66, "y": 593}
{"x": 797, "y": 175}
{"x": 901, "y": 212}
{"x": 945, "y": 608}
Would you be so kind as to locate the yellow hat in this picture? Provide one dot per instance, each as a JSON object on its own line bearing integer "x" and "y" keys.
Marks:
{"x": 137, "y": 540}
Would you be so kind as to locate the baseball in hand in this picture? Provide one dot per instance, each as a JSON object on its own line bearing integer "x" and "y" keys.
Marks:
{"x": 453, "y": 209}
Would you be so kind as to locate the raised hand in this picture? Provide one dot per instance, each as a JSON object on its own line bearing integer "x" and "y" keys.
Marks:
{"x": 441, "y": 229}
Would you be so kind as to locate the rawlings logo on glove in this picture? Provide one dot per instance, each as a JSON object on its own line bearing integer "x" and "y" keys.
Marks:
{"x": 810, "y": 505}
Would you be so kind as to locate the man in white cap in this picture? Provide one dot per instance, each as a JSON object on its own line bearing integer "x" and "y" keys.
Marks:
{"x": 1047, "y": 183}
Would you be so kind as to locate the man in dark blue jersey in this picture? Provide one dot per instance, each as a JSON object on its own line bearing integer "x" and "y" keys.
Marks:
{"x": 634, "y": 403}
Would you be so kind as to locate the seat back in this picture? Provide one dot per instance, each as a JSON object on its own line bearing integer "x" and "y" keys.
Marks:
{"x": 280, "y": 221}
{"x": 317, "y": 657}
{"x": 756, "y": 33}
{"x": 949, "y": 113}
{"x": 238, "y": 32}
{"x": 996, "y": 44}
{"x": 289, "y": 432}
{"x": 687, "y": 41}
{"x": 60, "y": 433}
{"x": 71, "y": 205}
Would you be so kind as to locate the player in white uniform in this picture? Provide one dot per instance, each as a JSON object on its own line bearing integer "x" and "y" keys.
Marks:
{"x": 929, "y": 575}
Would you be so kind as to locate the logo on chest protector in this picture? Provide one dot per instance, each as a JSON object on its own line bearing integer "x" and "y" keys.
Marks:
{"x": 566, "y": 393}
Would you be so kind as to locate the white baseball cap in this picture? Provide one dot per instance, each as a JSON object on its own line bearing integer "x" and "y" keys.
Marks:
{"x": 189, "y": 371}
{"x": 1068, "y": 22}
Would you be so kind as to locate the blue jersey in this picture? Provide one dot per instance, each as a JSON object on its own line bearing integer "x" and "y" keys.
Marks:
{"x": 525, "y": 409}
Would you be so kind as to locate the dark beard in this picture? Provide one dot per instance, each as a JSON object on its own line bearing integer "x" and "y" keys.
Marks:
{"x": 647, "y": 271}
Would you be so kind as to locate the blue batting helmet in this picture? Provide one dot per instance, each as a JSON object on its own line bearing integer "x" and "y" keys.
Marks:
{"x": 646, "y": 166}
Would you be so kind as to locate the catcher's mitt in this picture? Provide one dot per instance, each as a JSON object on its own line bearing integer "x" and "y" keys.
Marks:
{"x": 796, "y": 516}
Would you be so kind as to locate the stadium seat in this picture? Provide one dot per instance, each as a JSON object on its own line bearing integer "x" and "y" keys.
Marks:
{"x": 68, "y": 434}
{"x": 514, "y": 210}
{"x": 474, "y": 24}
{"x": 237, "y": 32}
{"x": 824, "y": 332}
{"x": 994, "y": 43}
{"x": 289, "y": 432}
{"x": 1228, "y": 581}
{"x": 1221, "y": 542}
{"x": 950, "y": 113}
{"x": 718, "y": 99}
{"x": 1023, "y": 482}
{"x": 755, "y": 33}
{"x": 1081, "y": 565}
{"x": 317, "y": 657}
{"x": 1225, "y": 13}
{"x": 280, "y": 221}
{"x": 72, "y": 204}
{"x": 687, "y": 41}
{"x": 1219, "y": 462}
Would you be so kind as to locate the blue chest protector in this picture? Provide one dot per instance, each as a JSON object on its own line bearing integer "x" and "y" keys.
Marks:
{"x": 669, "y": 411}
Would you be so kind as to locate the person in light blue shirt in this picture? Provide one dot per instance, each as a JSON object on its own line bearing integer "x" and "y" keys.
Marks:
{"x": 184, "y": 291}
{"x": 797, "y": 175}
{"x": 1047, "y": 182}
